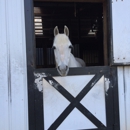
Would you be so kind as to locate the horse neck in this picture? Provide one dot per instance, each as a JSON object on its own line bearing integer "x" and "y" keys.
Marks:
{"x": 73, "y": 62}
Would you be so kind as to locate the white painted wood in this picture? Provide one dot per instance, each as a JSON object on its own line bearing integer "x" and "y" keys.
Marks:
{"x": 122, "y": 103}
{"x": 80, "y": 122}
{"x": 74, "y": 84}
{"x": 127, "y": 95}
{"x": 96, "y": 97}
{"x": 13, "y": 69}
{"x": 4, "y": 101}
{"x": 121, "y": 31}
{"x": 55, "y": 103}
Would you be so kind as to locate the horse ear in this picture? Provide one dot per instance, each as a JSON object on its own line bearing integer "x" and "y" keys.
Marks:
{"x": 66, "y": 30}
{"x": 56, "y": 31}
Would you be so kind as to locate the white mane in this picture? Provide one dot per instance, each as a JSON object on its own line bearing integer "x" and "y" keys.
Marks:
{"x": 61, "y": 39}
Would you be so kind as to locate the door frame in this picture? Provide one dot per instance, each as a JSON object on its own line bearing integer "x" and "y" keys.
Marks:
{"x": 35, "y": 98}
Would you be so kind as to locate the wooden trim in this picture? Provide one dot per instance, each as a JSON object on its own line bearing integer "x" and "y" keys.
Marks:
{"x": 105, "y": 47}
{"x": 127, "y": 94}
{"x": 122, "y": 102}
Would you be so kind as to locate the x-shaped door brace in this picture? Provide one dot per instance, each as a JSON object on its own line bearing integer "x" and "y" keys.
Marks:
{"x": 75, "y": 101}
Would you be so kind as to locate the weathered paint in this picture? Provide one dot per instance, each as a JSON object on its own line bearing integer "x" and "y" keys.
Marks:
{"x": 106, "y": 84}
{"x": 13, "y": 74}
{"x": 121, "y": 31}
{"x": 38, "y": 80}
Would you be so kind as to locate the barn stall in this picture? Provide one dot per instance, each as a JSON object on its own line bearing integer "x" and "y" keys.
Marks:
{"x": 99, "y": 36}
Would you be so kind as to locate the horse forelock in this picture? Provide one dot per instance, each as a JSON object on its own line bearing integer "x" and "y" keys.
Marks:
{"x": 61, "y": 39}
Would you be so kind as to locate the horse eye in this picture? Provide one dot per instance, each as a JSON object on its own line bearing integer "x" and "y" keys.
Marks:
{"x": 71, "y": 47}
{"x": 53, "y": 47}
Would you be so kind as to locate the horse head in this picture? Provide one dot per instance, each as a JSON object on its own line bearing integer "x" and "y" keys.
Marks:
{"x": 62, "y": 50}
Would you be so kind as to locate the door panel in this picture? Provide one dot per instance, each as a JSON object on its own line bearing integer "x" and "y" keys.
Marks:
{"x": 86, "y": 99}
{"x": 121, "y": 31}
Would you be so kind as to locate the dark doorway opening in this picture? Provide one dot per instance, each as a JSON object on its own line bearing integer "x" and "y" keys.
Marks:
{"x": 86, "y": 25}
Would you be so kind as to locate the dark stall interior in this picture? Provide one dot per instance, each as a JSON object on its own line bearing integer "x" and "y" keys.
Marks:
{"x": 85, "y": 22}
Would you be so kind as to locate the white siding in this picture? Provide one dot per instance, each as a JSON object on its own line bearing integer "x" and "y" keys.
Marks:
{"x": 121, "y": 31}
{"x": 127, "y": 95}
{"x": 4, "y": 100}
{"x": 13, "y": 73}
{"x": 124, "y": 97}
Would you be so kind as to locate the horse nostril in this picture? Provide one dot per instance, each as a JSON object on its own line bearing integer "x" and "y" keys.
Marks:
{"x": 63, "y": 69}
{"x": 58, "y": 68}
{"x": 66, "y": 67}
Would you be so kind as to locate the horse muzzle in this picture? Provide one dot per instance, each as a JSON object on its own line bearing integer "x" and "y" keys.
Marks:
{"x": 63, "y": 70}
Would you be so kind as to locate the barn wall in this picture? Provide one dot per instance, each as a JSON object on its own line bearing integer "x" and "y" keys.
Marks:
{"x": 124, "y": 96}
{"x": 13, "y": 74}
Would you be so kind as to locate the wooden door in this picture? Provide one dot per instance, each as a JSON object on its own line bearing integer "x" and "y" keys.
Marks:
{"x": 85, "y": 99}
{"x": 105, "y": 117}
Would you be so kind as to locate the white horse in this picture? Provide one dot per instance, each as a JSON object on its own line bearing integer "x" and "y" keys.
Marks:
{"x": 62, "y": 51}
